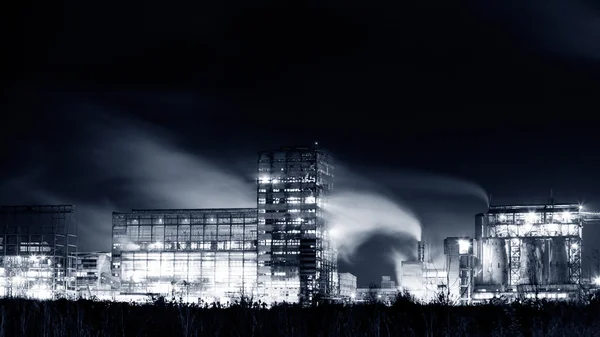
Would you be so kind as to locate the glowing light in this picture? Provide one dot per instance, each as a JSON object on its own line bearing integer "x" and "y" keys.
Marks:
{"x": 310, "y": 200}
{"x": 596, "y": 280}
{"x": 574, "y": 246}
{"x": 132, "y": 246}
{"x": 463, "y": 246}
{"x": 353, "y": 295}
{"x": 566, "y": 216}
{"x": 530, "y": 217}
{"x": 263, "y": 180}
{"x": 502, "y": 217}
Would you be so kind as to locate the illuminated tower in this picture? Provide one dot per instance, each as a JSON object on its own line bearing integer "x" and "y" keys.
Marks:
{"x": 296, "y": 258}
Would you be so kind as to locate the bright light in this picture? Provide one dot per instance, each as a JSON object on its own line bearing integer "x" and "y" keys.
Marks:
{"x": 263, "y": 180}
{"x": 502, "y": 217}
{"x": 574, "y": 246}
{"x": 580, "y": 207}
{"x": 596, "y": 280}
{"x": 353, "y": 295}
{"x": 530, "y": 217}
{"x": 566, "y": 216}
{"x": 463, "y": 246}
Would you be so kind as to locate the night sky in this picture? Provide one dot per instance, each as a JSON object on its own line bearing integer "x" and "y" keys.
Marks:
{"x": 428, "y": 107}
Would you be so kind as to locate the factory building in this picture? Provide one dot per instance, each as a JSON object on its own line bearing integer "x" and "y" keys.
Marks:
{"x": 460, "y": 266}
{"x": 412, "y": 278}
{"x": 421, "y": 278}
{"x": 529, "y": 251}
{"x": 38, "y": 246}
{"x": 385, "y": 292}
{"x": 94, "y": 277}
{"x": 296, "y": 258}
{"x": 188, "y": 254}
{"x": 348, "y": 285}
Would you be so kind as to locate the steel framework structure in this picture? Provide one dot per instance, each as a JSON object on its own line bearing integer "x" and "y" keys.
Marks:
{"x": 543, "y": 223}
{"x": 38, "y": 244}
{"x": 193, "y": 254}
{"x": 297, "y": 259}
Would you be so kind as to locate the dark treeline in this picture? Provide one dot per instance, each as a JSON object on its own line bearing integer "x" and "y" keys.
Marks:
{"x": 21, "y": 317}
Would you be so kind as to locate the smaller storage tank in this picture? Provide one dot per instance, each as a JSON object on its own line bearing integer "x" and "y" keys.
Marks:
{"x": 559, "y": 262}
{"x": 531, "y": 262}
{"x": 495, "y": 269}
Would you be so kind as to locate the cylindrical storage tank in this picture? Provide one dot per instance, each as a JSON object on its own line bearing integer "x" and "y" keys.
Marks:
{"x": 546, "y": 244}
{"x": 421, "y": 251}
{"x": 495, "y": 268}
{"x": 539, "y": 261}
{"x": 531, "y": 266}
{"x": 559, "y": 262}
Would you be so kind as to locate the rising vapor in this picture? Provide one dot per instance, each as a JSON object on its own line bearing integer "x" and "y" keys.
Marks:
{"x": 396, "y": 257}
{"x": 422, "y": 182}
{"x": 156, "y": 173}
{"x": 361, "y": 208}
{"x": 355, "y": 216}
{"x": 123, "y": 163}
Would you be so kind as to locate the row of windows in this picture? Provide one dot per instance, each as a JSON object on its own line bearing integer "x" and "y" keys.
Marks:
{"x": 185, "y": 230}
{"x": 185, "y": 221}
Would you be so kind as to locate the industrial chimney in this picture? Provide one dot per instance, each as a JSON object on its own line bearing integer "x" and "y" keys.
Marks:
{"x": 421, "y": 251}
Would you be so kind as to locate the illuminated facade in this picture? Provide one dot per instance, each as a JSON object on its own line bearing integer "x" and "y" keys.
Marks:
{"x": 188, "y": 254}
{"x": 296, "y": 258}
{"x": 38, "y": 246}
{"x": 529, "y": 250}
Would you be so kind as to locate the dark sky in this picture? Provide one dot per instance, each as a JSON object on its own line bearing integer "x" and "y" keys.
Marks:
{"x": 430, "y": 105}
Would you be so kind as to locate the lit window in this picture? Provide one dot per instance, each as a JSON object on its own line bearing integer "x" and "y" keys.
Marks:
{"x": 463, "y": 246}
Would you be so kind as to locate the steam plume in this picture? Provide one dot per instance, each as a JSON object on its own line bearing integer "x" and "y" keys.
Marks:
{"x": 355, "y": 216}
{"x": 122, "y": 164}
{"x": 361, "y": 208}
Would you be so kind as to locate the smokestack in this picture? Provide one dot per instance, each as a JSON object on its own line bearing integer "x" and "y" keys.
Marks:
{"x": 421, "y": 251}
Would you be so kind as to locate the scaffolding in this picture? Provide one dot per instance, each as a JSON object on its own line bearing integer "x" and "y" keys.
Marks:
{"x": 190, "y": 254}
{"x": 39, "y": 247}
{"x": 297, "y": 259}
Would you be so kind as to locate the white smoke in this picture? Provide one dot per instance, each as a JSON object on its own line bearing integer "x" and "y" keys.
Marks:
{"x": 361, "y": 209}
{"x": 355, "y": 216}
{"x": 121, "y": 164}
{"x": 159, "y": 174}
{"x": 396, "y": 257}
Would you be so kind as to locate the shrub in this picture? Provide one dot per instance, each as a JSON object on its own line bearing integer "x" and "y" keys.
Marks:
{"x": 20, "y": 317}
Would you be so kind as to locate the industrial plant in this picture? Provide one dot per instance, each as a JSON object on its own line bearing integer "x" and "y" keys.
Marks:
{"x": 517, "y": 252}
{"x": 282, "y": 251}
